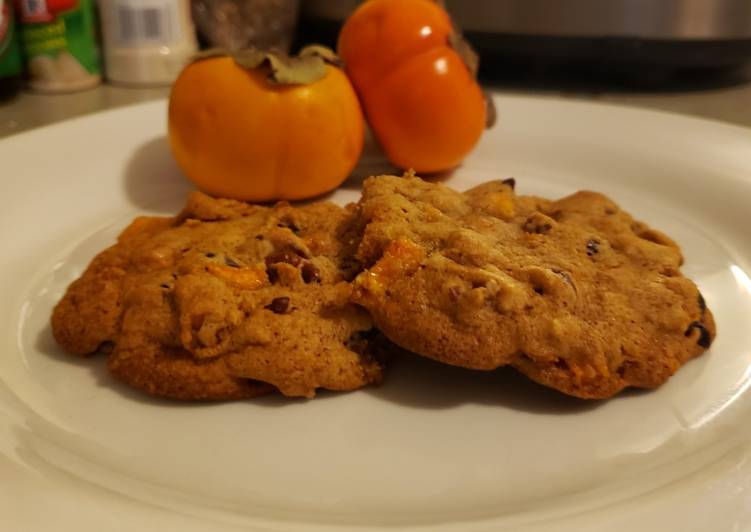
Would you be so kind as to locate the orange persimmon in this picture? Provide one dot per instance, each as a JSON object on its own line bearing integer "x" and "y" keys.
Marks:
{"x": 268, "y": 128}
{"x": 420, "y": 96}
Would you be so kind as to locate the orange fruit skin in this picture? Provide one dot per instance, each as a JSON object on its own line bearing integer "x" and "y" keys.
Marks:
{"x": 422, "y": 102}
{"x": 381, "y": 34}
{"x": 237, "y": 135}
{"x": 427, "y": 127}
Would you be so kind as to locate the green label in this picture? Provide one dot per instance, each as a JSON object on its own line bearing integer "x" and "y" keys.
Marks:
{"x": 10, "y": 52}
{"x": 72, "y": 31}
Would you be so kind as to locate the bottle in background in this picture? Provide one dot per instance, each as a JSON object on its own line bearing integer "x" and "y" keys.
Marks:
{"x": 11, "y": 64}
{"x": 59, "y": 42}
{"x": 146, "y": 42}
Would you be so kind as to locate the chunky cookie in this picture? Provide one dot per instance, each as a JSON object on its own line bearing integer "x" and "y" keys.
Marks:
{"x": 574, "y": 293}
{"x": 225, "y": 301}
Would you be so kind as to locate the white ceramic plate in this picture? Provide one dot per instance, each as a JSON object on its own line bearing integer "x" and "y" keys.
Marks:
{"x": 434, "y": 447}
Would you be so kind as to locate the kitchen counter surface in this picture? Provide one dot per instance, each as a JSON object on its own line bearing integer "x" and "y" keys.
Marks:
{"x": 729, "y": 103}
{"x": 28, "y": 110}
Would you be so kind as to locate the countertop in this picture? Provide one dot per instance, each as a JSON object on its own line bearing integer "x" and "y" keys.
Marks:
{"x": 28, "y": 110}
{"x": 725, "y": 101}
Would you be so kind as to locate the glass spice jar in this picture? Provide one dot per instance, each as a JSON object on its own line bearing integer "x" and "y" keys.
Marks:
{"x": 146, "y": 42}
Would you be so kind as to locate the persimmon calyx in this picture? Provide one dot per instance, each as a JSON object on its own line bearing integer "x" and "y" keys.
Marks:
{"x": 469, "y": 57}
{"x": 324, "y": 52}
{"x": 471, "y": 60}
{"x": 308, "y": 66}
{"x": 491, "y": 114}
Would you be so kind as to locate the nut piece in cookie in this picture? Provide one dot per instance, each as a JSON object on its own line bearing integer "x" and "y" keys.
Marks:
{"x": 574, "y": 293}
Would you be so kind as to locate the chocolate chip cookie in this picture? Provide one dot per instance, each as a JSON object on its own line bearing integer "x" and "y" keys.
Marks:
{"x": 225, "y": 301}
{"x": 574, "y": 293}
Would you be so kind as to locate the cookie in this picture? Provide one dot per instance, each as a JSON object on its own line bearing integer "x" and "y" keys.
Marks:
{"x": 225, "y": 301}
{"x": 574, "y": 293}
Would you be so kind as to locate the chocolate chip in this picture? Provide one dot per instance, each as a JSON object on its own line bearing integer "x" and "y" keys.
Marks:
{"x": 609, "y": 211}
{"x": 210, "y": 255}
{"x": 539, "y": 290}
{"x": 164, "y": 285}
{"x": 232, "y": 263}
{"x": 293, "y": 257}
{"x": 593, "y": 247}
{"x": 704, "y": 340}
{"x": 287, "y": 256}
{"x": 279, "y": 305}
{"x": 310, "y": 273}
{"x": 510, "y": 182}
{"x": 259, "y": 237}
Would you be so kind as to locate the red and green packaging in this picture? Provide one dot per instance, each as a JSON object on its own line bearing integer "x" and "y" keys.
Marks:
{"x": 11, "y": 63}
{"x": 59, "y": 42}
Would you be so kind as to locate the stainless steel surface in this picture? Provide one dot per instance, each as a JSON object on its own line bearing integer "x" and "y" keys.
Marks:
{"x": 649, "y": 19}
{"x": 653, "y": 19}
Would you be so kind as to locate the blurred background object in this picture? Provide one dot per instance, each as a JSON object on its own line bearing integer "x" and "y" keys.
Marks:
{"x": 59, "y": 44}
{"x": 632, "y": 41}
{"x": 11, "y": 64}
{"x": 234, "y": 24}
{"x": 146, "y": 42}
